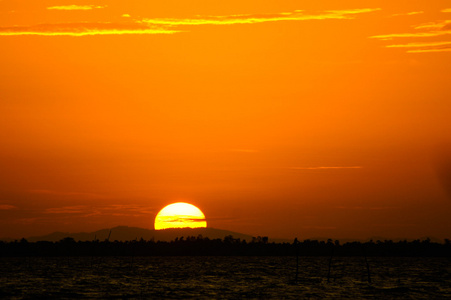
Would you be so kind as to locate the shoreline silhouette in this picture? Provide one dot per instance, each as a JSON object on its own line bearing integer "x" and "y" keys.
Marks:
{"x": 228, "y": 246}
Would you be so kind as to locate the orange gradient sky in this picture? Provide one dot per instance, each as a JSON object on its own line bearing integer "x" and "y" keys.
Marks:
{"x": 275, "y": 118}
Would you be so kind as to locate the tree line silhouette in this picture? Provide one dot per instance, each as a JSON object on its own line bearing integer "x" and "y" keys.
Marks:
{"x": 229, "y": 246}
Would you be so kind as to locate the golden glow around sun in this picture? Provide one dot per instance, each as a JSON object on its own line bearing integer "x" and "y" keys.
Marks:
{"x": 180, "y": 215}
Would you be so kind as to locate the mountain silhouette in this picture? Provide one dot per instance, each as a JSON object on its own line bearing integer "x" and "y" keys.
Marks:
{"x": 125, "y": 233}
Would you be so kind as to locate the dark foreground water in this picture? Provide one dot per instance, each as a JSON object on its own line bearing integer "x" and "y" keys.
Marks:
{"x": 224, "y": 277}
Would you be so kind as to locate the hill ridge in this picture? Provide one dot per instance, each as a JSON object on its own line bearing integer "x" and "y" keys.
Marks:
{"x": 124, "y": 233}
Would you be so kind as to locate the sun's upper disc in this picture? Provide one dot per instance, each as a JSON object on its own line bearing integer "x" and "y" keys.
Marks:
{"x": 180, "y": 215}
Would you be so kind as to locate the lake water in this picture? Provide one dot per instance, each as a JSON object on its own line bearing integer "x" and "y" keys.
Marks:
{"x": 224, "y": 277}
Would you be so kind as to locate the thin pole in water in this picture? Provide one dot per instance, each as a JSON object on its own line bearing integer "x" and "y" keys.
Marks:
{"x": 297, "y": 259}
{"x": 330, "y": 264}
{"x": 367, "y": 265}
{"x": 93, "y": 245}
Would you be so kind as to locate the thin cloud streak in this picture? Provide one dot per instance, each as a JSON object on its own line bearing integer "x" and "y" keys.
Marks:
{"x": 325, "y": 168}
{"x": 164, "y": 25}
{"x": 429, "y": 50}
{"x": 354, "y": 11}
{"x": 426, "y": 30}
{"x": 411, "y": 35}
{"x": 416, "y": 45}
{"x": 319, "y": 227}
{"x": 79, "y": 209}
{"x": 408, "y": 14}
{"x": 434, "y": 25}
{"x": 181, "y": 219}
{"x": 112, "y": 210}
{"x": 7, "y": 207}
{"x": 297, "y": 15}
{"x": 83, "y": 29}
{"x": 446, "y": 10}
{"x": 75, "y": 7}
{"x": 244, "y": 150}
{"x": 67, "y": 194}
{"x": 367, "y": 208}
{"x": 425, "y": 47}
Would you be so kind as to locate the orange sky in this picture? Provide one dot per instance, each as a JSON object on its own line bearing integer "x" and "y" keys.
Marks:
{"x": 276, "y": 118}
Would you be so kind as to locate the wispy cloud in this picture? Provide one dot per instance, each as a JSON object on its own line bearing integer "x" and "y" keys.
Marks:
{"x": 324, "y": 168}
{"x": 105, "y": 210}
{"x": 411, "y": 35}
{"x": 244, "y": 150}
{"x": 165, "y": 25}
{"x": 7, "y": 207}
{"x": 26, "y": 221}
{"x": 437, "y": 25}
{"x": 182, "y": 220}
{"x": 425, "y": 47}
{"x": 131, "y": 208}
{"x": 446, "y": 10}
{"x": 319, "y": 227}
{"x": 394, "y": 225}
{"x": 416, "y": 45}
{"x": 441, "y": 28}
{"x": 366, "y": 208}
{"x": 224, "y": 219}
{"x": 412, "y": 13}
{"x": 83, "y": 29}
{"x": 67, "y": 194}
{"x": 75, "y": 7}
{"x": 429, "y": 50}
{"x": 297, "y": 15}
{"x": 354, "y": 11}
{"x": 79, "y": 209}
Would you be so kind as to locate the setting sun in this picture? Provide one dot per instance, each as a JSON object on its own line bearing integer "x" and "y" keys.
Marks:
{"x": 180, "y": 215}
